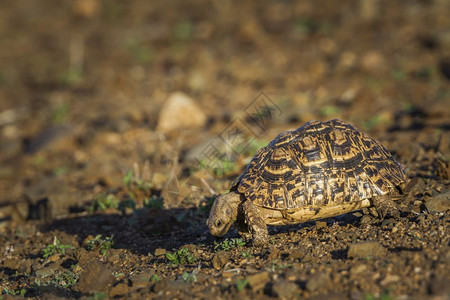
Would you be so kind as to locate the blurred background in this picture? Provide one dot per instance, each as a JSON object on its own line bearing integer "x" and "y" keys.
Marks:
{"x": 107, "y": 102}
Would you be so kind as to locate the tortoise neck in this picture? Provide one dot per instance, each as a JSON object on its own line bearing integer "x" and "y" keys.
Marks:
{"x": 234, "y": 202}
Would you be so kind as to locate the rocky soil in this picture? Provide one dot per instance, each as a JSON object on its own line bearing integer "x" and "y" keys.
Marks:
{"x": 120, "y": 123}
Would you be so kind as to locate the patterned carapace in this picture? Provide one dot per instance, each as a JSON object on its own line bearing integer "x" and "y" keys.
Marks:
{"x": 320, "y": 163}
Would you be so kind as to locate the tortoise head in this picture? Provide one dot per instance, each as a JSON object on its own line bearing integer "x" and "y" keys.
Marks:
{"x": 223, "y": 213}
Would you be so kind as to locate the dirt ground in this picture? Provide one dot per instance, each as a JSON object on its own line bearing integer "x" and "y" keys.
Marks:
{"x": 120, "y": 122}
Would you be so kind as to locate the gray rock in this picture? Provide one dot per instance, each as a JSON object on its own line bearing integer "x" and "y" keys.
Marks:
{"x": 438, "y": 203}
{"x": 17, "y": 212}
{"x": 298, "y": 253}
{"x": 318, "y": 281}
{"x": 13, "y": 263}
{"x": 199, "y": 152}
{"x": 366, "y": 219}
{"x": 161, "y": 285}
{"x": 416, "y": 184}
{"x": 321, "y": 224}
{"x": 142, "y": 279}
{"x": 285, "y": 289}
{"x": 96, "y": 277}
{"x": 48, "y": 270}
{"x": 366, "y": 249}
{"x": 119, "y": 290}
{"x": 114, "y": 256}
{"x": 26, "y": 266}
{"x": 258, "y": 281}
{"x": 180, "y": 112}
{"x": 439, "y": 286}
{"x": 356, "y": 270}
{"x": 160, "y": 251}
{"x": 273, "y": 253}
{"x": 50, "y": 196}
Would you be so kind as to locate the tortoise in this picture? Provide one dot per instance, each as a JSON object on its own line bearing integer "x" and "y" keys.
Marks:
{"x": 320, "y": 170}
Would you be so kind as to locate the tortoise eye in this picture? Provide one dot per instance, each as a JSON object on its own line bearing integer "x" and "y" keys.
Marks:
{"x": 218, "y": 223}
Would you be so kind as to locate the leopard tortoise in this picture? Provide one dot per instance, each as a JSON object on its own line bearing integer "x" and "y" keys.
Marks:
{"x": 320, "y": 170}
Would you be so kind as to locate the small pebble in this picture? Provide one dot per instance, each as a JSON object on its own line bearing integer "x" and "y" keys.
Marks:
{"x": 220, "y": 259}
{"x": 366, "y": 249}
{"x": 160, "y": 251}
{"x": 258, "y": 281}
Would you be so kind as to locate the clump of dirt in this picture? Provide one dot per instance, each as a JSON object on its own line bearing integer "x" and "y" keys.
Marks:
{"x": 120, "y": 123}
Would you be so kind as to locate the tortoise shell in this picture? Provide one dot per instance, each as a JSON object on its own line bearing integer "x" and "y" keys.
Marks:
{"x": 320, "y": 163}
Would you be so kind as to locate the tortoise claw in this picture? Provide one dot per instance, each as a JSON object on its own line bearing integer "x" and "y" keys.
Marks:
{"x": 386, "y": 207}
{"x": 260, "y": 238}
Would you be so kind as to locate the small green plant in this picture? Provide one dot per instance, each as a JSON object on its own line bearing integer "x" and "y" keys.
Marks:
{"x": 72, "y": 76}
{"x": 220, "y": 166}
{"x": 303, "y": 26}
{"x": 59, "y": 114}
{"x": 102, "y": 244}
{"x": 424, "y": 73}
{"x": 155, "y": 278}
{"x": 128, "y": 203}
{"x": 140, "y": 52}
{"x": 61, "y": 171}
{"x": 55, "y": 247}
{"x": 408, "y": 107}
{"x": 102, "y": 202}
{"x": 329, "y": 110}
{"x": 119, "y": 275}
{"x": 181, "y": 257}
{"x": 372, "y": 122}
{"x": 241, "y": 284}
{"x": 279, "y": 266}
{"x": 134, "y": 181}
{"x": 20, "y": 292}
{"x": 376, "y": 85}
{"x": 245, "y": 254}
{"x": 183, "y": 30}
{"x": 180, "y": 217}
{"x": 138, "y": 182}
{"x": 154, "y": 202}
{"x": 254, "y": 146}
{"x": 38, "y": 160}
{"x": 66, "y": 279}
{"x": 227, "y": 244}
{"x": 189, "y": 277}
{"x": 128, "y": 178}
{"x": 398, "y": 74}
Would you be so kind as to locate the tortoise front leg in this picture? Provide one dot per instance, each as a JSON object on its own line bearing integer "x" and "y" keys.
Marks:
{"x": 242, "y": 226}
{"x": 256, "y": 224}
{"x": 243, "y": 229}
{"x": 385, "y": 206}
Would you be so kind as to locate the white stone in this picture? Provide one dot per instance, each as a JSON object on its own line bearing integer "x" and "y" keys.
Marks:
{"x": 180, "y": 112}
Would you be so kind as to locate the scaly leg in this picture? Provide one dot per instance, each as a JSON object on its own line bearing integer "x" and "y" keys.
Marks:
{"x": 256, "y": 224}
{"x": 242, "y": 228}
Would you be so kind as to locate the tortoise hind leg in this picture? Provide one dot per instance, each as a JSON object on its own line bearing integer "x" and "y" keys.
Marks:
{"x": 385, "y": 206}
{"x": 256, "y": 224}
